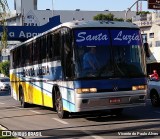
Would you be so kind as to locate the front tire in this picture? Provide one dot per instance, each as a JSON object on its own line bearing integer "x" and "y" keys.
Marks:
{"x": 59, "y": 106}
{"x": 155, "y": 100}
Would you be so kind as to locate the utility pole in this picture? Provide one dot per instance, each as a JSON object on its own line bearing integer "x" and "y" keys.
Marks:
{"x": 131, "y": 8}
{"x": 52, "y": 9}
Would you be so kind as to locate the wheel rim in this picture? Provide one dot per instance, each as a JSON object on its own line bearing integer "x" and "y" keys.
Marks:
{"x": 59, "y": 106}
{"x": 22, "y": 98}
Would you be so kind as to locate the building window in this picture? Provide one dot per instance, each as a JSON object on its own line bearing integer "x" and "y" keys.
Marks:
{"x": 150, "y": 44}
{"x": 151, "y": 35}
{"x": 157, "y": 43}
{"x": 144, "y": 38}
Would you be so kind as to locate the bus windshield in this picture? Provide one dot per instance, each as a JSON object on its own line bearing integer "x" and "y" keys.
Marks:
{"x": 109, "y": 53}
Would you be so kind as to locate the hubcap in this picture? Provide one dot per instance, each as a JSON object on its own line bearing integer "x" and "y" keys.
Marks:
{"x": 58, "y": 104}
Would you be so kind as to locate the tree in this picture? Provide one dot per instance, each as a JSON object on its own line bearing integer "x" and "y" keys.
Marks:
{"x": 118, "y": 19}
{"x": 143, "y": 13}
{"x": 129, "y": 20}
{"x": 4, "y": 68}
{"x": 3, "y": 12}
{"x": 109, "y": 17}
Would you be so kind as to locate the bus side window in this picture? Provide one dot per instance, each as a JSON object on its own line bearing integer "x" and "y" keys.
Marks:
{"x": 42, "y": 53}
{"x": 27, "y": 54}
{"x": 57, "y": 45}
{"x": 49, "y": 47}
{"x": 36, "y": 51}
{"x": 30, "y": 52}
{"x": 68, "y": 55}
{"x": 17, "y": 58}
{"x": 23, "y": 55}
{"x": 14, "y": 58}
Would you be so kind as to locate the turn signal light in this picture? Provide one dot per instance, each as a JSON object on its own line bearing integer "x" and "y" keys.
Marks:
{"x": 86, "y": 90}
{"x": 139, "y": 87}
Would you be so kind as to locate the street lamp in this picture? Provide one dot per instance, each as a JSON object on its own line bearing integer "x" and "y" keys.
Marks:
{"x": 130, "y": 8}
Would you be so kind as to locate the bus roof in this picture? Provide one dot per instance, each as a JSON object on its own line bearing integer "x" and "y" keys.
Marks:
{"x": 87, "y": 24}
{"x": 77, "y": 24}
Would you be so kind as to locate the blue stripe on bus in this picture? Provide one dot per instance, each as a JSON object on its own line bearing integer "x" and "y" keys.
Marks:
{"x": 55, "y": 73}
{"x": 41, "y": 88}
{"x": 68, "y": 105}
{"x": 23, "y": 79}
{"x": 66, "y": 87}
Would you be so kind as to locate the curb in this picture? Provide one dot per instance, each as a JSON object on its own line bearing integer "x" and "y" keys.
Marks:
{"x": 4, "y": 128}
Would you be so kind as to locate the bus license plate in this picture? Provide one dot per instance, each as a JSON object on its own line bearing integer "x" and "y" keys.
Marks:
{"x": 114, "y": 100}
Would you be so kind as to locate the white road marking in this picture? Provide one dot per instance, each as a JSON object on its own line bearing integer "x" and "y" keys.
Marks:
{"x": 35, "y": 112}
{"x": 61, "y": 121}
{"x": 91, "y": 134}
{"x": 2, "y": 103}
{"x": 21, "y": 108}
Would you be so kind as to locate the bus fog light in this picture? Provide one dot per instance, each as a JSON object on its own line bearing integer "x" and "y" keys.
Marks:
{"x": 82, "y": 90}
{"x": 86, "y": 90}
{"x": 93, "y": 90}
{"x": 139, "y": 87}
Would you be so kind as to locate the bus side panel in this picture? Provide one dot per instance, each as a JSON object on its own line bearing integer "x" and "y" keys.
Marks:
{"x": 33, "y": 91}
{"x": 36, "y": 93}
{"x": 14, "y": 85}
{"x": 68, "y": 96}
{"x": 44, "y": 90}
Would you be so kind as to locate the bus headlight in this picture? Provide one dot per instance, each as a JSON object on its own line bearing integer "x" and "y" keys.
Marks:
{"x": 139, "y": 87}
{"x": 86, "y": 90}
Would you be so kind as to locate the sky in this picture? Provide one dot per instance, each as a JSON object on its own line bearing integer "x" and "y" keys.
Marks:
{"x": 87, "y": 5}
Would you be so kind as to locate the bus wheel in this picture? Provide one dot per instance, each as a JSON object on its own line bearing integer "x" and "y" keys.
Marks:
{"x": 155, "y": 100}
{"x": 59, "y": 106}
{"x": 23, "y": 103}
{"x": 117, "y": 111}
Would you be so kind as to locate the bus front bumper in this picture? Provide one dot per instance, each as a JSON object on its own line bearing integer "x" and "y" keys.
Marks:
{"x": 106, "y": 100}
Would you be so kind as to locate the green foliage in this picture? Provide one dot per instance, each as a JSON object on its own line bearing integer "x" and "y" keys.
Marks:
{"x": 109, "y": 17}
{"x": 3, "y": 12}
{"x": 118, "y": 19}
{"x": 129, "y": 20}
{"x": 143, "y": 13}
{"x": 4, "y": 68}
{"x": 104, "y": 17}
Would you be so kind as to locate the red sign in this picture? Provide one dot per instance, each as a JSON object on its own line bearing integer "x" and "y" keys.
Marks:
{"x": 153, "y": 1}
{"x": 154, "y": 4}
